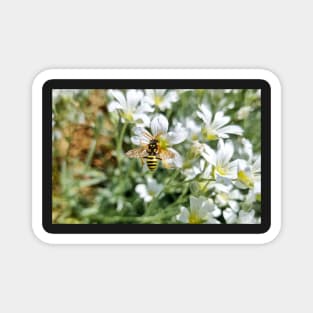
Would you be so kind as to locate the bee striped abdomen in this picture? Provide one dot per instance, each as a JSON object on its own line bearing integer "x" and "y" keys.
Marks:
{"x": 152, "y": 162}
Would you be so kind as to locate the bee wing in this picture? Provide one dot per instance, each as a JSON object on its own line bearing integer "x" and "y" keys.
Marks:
{"x": 147, "y": 135}
{"x": 166, "y": 154}
{"x": 167, "y": 165}
{"x": 137, "y": 153}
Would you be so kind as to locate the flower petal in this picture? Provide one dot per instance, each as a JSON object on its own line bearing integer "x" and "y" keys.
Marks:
{"x": 207, "y": 172}
{"x": 159, "y": 125}
{"x": 193, "y": 128}
{"x": 133, "y": 98}
{"x": 230, "y": 216}
{"x": 212, "y": 220}
{"x": 207, "y": 204}
{"x": 144, "y": 107}
{"x": 140, "y": 138}
{"x": 220, "y": 120}
{"x": 114, "y": 105}
{"x": 177, "y": 160}
{"x": 240, "y": 185}
{"x": 234, "y": 205}
{"x": 236, "y": 195}
{"x": 164, "y": 105}
{"x": 257, "y": 187}
{"x": 172, "y": 96}
{"x": 247, "y": 148}
{"x": 153, "y": 186}
{"x": 196, "y": 203}
{"x": 138, "y": 141}
{"x": 178, "y": 135}
{"x": 216, "y": 212}
{"x": 119, "y": 96}
{"x": 139, "y": 131}
{"x": 209, "y": 154}
{"x": 183, "y": 216}
{"x": 222, "y": 179}
{"x": 225, "y": 152}
{"x": 141, "y": 189}
{"x": 247, "y": 217}
{"x": 231, "y": 129}
{"x": 159, "y": 92}
{"x": 141, "y": 118}
{"x": 256, "y": 167}
{"x": 205, "y": 114}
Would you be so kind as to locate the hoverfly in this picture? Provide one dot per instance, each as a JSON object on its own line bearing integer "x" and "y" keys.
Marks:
{"x": 151, "y": 152}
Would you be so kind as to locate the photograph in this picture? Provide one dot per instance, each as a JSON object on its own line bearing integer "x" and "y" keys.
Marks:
{"x": 156, "y": 156}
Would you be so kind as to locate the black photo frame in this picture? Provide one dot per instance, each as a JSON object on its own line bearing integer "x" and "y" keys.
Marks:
{"x": 261, "y": 84}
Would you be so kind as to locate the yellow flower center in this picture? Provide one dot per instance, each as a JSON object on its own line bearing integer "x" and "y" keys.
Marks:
{"x": 221, "y": 170}
{"x": 210, "y": 134}
{"x": 194, "y": 218}
{"x": 163, "y": 143}
{"x": 128, "y": 116}
{"x": 195, "y": 150}
{"x": 245, "y": 179}
{"x": 224, "y": 196}
{"x": 151, "y": 193}
{"x": 158, "y": 100}
{"x": 202, "y": 185}
{"x": 194, "y": 136}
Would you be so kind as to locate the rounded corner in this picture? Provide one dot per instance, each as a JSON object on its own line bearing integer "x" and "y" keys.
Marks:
{"x": 42, "y": 78}
{"x": 271, "y": 234}
{"x": 270, "y": 78}
{"x": 41, "y": 233}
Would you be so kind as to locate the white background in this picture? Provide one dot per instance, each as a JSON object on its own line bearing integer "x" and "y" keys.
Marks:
{"x": 36, "y": 35}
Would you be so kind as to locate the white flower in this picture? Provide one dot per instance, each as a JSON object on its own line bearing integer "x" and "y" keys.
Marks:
{"x": 248, "y": 176}
{"x": 193, "y": 128}
{"x": 150, "y": 190}
{"x": 159, "y": 130}
{"x": 243, "y": 217}
{"x": 243, "y": 113}
{"x": 161, "y": 98}
{"x": 195, "y": 170}
{"x": 245, "y": 149}
{"x": 228, "y": 196}
{"x": 197, "y": 148}
{"x": 201, "y": 211}
{"x": 201, "y": 168}
{"x": 254, "y": 194}
{"x": 224, "y": 170}
{"x": 214, "y": 128}
{"x": 132, "y": 107}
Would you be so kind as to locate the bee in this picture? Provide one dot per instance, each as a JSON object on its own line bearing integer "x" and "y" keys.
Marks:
{"x": 151, "y": 152}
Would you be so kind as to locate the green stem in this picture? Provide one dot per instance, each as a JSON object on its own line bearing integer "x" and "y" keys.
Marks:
{"x": 91, "y": 152}
{"x": 154, "y": 200}
{"x": 172, "y": 178}
{"x": 151, "y": 204}
{"x": 120, "y": 142}
{"x": 178, "y": 200}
